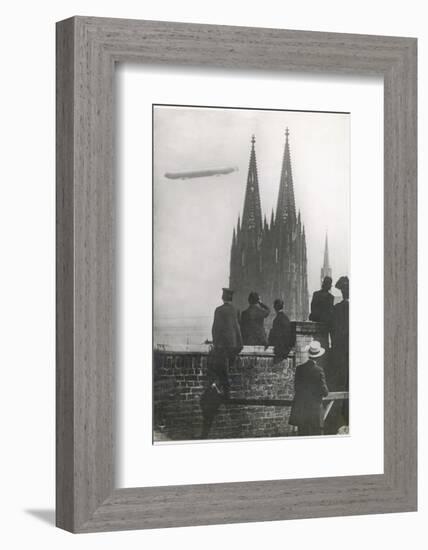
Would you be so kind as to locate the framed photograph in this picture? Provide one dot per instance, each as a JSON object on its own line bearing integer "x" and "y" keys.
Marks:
{"x": 217, "y": 190}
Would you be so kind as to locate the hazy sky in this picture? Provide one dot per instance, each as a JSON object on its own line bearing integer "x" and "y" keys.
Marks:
{"x": 194, "y": 218}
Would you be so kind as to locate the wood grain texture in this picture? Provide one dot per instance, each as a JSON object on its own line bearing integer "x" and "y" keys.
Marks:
{"x": 87, "y": 49}
{"x": 64, "y": 277}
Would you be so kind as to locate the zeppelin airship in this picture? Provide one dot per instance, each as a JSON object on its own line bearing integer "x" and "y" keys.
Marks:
{"x": 200, "y": 173}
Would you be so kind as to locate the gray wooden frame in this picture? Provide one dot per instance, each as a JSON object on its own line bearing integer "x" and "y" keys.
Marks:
{"x": 87, "y": 50}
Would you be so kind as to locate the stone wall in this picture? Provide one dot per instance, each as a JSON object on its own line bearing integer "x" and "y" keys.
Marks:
{"x": 180, "y": 378}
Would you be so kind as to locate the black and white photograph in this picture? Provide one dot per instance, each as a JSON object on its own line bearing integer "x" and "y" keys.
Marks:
{"x": 251, "y": 222}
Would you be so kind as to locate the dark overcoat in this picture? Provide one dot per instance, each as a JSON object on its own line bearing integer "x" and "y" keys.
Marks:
{"x": 340, "y": 346}
{"x": 252, "y": 325}
{"x": 226, "y": 332}
{"x": 322, "y": 307}
{"x": 309, "y": 389}
{"x": 340, "y": 326}
{"x": 282, "y": 336}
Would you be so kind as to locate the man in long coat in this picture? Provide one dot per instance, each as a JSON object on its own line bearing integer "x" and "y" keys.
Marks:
{"x": 226, "y": 332}
{"x": 309, "y": 389}
{"x": 340, "y": 336}
{"x": 227, "y": 339}
{"x": 227, "y": 344}
{"x": 281, "y": 336}
{"x": 338, "y": 368}
{"x": 252, "y": 321}
{"x": 322, "y": 303}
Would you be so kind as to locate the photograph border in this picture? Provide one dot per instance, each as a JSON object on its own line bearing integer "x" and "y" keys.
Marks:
{"x": 220, "y": 108}
{"x": 87, "y": 51}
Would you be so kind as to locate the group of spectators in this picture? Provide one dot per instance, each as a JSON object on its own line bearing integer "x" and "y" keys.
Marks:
{"x": 233, "y": 331}
{"x": 314, "y": 378}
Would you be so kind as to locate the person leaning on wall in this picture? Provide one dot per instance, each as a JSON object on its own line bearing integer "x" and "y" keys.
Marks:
{"x": 282, "y": 335}
{"x": 227, "y": 344}
{"x": 227, "y": 340}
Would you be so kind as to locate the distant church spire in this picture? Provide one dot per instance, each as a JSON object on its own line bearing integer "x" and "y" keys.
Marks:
{"x": 326, "y": 268}
{"x": 286, "y": 206}
{"x": 252, "y": 215}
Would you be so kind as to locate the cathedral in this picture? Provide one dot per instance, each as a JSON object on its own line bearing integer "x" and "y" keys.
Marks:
{"x": 270, "y": 257}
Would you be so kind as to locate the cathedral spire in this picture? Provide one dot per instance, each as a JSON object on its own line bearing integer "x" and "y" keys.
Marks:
{"x": 326, "y": 268}
{"x": 270, "y": 257}
{"x": 286, "y": 206}
{"x": 252, "y": 215}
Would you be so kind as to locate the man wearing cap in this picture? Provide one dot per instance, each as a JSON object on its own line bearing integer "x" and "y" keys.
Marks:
{"x": 252, "y": 321}
{"x": 227, "y": 340}
{"x": 309, "y": 389}
{"x": 226, "y": 332}
{"x": 227, "y": 343}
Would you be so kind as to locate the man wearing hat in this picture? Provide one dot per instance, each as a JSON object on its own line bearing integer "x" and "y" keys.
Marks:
{"x": 252, "y": 321}
{"x": 309, "y": 389}
{"x": 225, "y": 330}
{"x": 227, "y": 339}
{"x": 227, "y": 343}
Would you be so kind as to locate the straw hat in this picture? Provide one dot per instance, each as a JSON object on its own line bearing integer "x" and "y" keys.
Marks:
{"x": 315, "y": 350}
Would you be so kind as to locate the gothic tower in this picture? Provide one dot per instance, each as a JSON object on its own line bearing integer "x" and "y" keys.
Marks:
{"x": 271, "y": 258}
{"x": 246, "y": 254}
{"x": 326, "y": 268}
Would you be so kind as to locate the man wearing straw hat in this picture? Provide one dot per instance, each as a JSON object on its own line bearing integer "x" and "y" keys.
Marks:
{"x": 309, "y": 389}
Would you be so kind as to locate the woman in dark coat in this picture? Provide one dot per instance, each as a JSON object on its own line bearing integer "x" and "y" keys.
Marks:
{"x": 309, "y": 389}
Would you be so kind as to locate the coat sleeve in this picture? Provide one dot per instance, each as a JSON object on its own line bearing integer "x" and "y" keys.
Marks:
{"x": 239, "y": 339}
{"x": 214, "y": 327}
{"x": 271, "y": 337}
{"x": 289, "y": 334}
{"x": 243, "y": 326}
{"x": 311, "y": 315}
{"x": 297, "y": 381}
{"x": 217, "y": 327}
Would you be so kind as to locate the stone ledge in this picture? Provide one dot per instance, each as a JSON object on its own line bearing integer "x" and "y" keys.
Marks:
{"x": 309, "y": 327}
{"x": 204, "y": 349}
{"x": 303, "y": 328}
